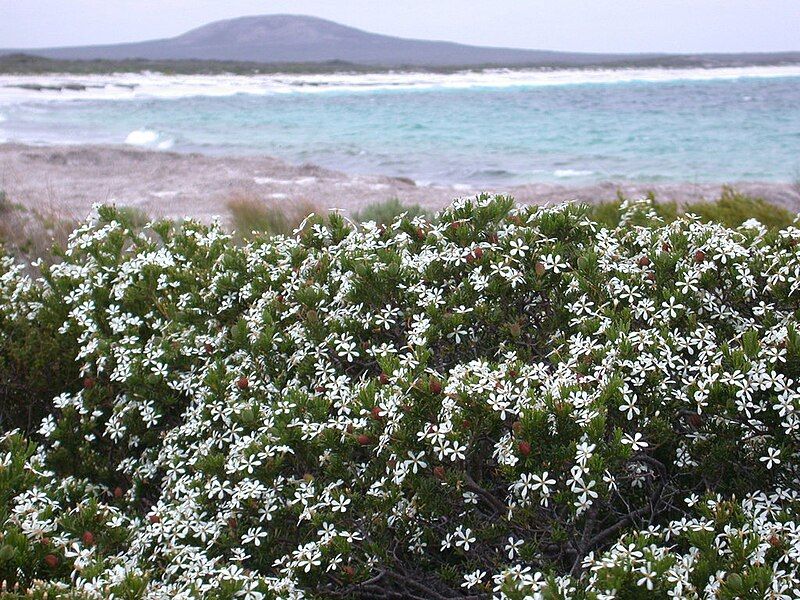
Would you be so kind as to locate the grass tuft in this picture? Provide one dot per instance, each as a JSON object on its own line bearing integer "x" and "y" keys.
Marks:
{"x": 387, "y": 211}
{"x": 731, "y": 209}
{"x": 253, "y": 214}
{"x": 734, "y": 208}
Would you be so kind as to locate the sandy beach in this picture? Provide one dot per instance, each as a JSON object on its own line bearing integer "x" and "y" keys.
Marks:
{"x": 69, "y": 179}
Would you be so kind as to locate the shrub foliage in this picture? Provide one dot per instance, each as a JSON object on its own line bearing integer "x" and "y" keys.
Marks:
{"x": 505, "y": 402}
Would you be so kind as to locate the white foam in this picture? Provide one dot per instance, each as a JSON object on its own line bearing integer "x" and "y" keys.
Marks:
{"x": 3, "y": 117}
{"x": 563, "y": 173}
{"x": 461, "y": 187}
{"x": 164, "y": 194}
{"x": 268, "y": 180}
{"x": 141, "y": 137}
{"x": 149, "y": 138}
{"x": 279, "y": 196}
{"x": 132, "y": 86}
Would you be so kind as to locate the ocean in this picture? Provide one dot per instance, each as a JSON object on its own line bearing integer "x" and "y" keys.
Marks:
{"x": 493, "y": 127}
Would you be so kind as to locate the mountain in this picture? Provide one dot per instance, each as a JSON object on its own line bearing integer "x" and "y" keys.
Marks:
{"x": 304, "y": 39}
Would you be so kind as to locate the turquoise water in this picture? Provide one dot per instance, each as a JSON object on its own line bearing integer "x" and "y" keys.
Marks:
{"x": 674, "y": 130}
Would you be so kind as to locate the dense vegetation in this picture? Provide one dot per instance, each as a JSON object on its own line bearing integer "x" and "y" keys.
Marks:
{"x": 20, "y": 63}
{"x": 501, "y": 401}
{"x": 28, "y": 64}
{"x": 731, "y": 209}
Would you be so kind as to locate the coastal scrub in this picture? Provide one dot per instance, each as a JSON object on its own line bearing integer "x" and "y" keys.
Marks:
{"x": 504, "y": 402}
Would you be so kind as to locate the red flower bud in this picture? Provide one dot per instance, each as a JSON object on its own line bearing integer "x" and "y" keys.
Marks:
{"x": 439, "y": 472}
{"x": 524, "y": 448}
{"x": 88, "y": 538}
{"x": 242, "y": 383}
{"x": 699, "y": 256}
{"x": 644, "y": 261}
{"x": 363, "y": 439}
{"x": 51, "y": 560}
{"x": 435, "y": 386}
{"x": 88, "y": 383}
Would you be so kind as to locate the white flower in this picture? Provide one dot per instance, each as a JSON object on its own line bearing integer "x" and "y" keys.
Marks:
{"x": 518, "y": 248}
{"x": 416, "y": 461}
{"x": 512, "y": 547}
{"x": 771, "y": 459}
{"x": 250, "y": 591}
{"x": 254, "y": 536}
{"x": 340, "y": 504}
{"x": 635, "y": 441}
{"x": 647, "y": 578}
{"x": 554, "y": 263}
{"x": 463, "y": 538}
{"x": 473, "y": 579}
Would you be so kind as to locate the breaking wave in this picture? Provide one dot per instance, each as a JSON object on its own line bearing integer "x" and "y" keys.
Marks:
{"x": 149, "y": 138}
{"x": 25, "y": 88}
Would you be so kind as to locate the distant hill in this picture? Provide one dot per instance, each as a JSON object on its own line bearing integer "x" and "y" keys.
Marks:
{"x": 302, "y": 39}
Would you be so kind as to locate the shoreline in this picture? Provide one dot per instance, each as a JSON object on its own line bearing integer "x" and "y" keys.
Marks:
{"x": 70, "y": 178}
{"x": 21, "y": 61}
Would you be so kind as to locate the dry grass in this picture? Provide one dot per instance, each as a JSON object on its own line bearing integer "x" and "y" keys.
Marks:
{"x": 252, "y": 214}
{"x": 32, "y": 233}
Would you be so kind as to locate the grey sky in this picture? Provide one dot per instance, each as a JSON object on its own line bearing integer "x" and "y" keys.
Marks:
{"x": 580, "y": 25}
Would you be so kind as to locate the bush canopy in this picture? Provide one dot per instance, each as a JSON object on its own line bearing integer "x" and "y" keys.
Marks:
{"x": 504, "y": 402}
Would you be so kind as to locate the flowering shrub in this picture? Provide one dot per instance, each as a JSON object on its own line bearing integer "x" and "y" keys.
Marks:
{"x": 503, "y": 402}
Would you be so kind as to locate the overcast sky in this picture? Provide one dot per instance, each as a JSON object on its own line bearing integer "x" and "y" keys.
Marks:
{"x": 581, "y": 25}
